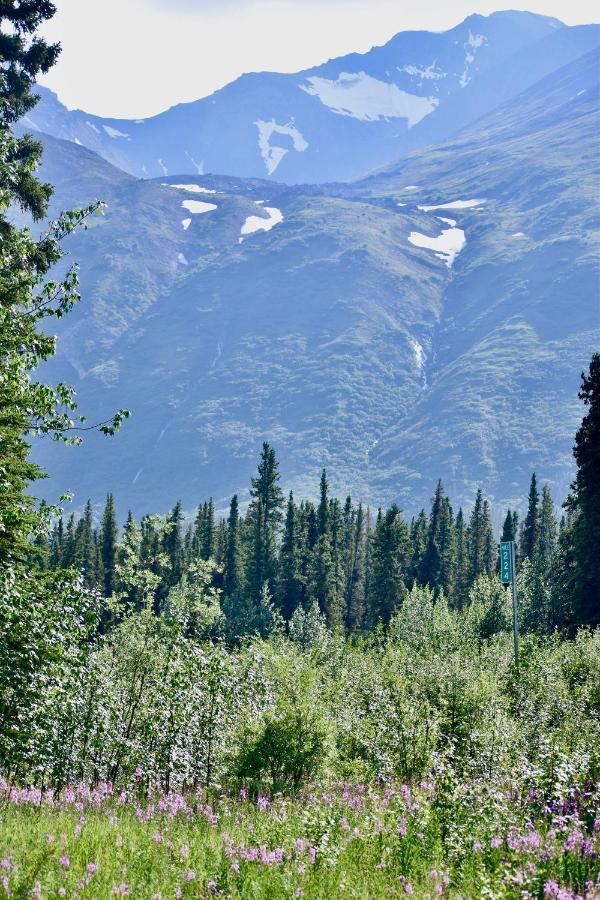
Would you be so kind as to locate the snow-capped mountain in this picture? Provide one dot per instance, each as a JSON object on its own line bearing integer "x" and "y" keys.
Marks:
{"x": 428, "y": 321}
{"x": 339, "y": 120}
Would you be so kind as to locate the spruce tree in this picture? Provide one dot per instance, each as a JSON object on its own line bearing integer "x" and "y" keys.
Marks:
{"x": 530, "y": 532}
{"x": 264, "y": 518}
{"x": 418, "y": 541}
{"x": 509, "y": 528}
{"x": 548, "y": 533}
{"x": 109, "y": 537}
{"x": 389, "y": 561}
{"x": 355, "y": 606}
{"x": 289, "y": 592}
{"x": 26, "y": 406}
{"x": 431, "y": 572}
{"x": 209, "y": 535}
{"x": 463, "y": 566}
{"x": 580, "y": 540}
{"x": 173, "y": 544}
{"x": 232, "y": 574}
{"x": 85, "y": 553}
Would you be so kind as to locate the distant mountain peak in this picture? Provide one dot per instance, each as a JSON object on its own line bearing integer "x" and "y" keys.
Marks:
{"x": 339, "y": 120}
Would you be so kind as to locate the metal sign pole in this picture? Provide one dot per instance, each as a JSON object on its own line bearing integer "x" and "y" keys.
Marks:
{"x": 508, "y": 574}
{"x": 514, "y": 602}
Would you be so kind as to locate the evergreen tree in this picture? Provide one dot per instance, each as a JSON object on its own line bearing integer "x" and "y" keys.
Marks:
{"x": 419, "y": 532}
{"x": 463, "y": 566}
{"x": 173, "y": 544}
{"x": 431, "y": 573}
{"x": 264, "y": 516}
{"x": 85, "y": 552}
{"x": 209, "y": 535}
{"x": 109, "y": 537}
{"x": 57, "y": 546}
{"x": 389, "y": 560}
{"x": 580, "y": 541}
{"x": 546, "y": 545}
{"x": 232, "y": 574}
{"x": 27, "y": 406}
{"x": 290, "y": 593}
{"x": 490, "y": 550}
{"x": 439, "y": 561}
{"x": 509, "y": 528}
{"x": 355, "y": 606}
{"x": 530, "y": 533}
{"x": 482, "y": 557}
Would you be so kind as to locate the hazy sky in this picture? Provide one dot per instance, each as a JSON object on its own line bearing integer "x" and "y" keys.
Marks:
{"x": 133, "y": 58}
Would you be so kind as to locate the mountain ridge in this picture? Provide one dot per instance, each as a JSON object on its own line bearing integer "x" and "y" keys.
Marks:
{"x": 340, "y": 119}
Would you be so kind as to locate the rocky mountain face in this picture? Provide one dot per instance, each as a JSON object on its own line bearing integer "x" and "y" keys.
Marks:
{"x": 430, "y": 320}
{"x": 339, "y": 120}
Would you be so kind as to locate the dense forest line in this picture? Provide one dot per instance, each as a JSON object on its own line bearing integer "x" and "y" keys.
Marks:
{"x": 282, "y": 556}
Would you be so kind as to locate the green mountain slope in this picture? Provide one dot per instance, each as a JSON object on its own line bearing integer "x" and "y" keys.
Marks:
{"x": 334, "y": 335}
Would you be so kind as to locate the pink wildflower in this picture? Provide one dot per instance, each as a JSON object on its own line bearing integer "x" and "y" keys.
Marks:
{"x": 191, "y": 875}
{"x": 65, "y": 861}
{"x": 408, "y": 888}
{"x": 312, "y": 854}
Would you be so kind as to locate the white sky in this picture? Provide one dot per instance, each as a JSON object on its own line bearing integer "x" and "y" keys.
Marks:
{"x": 134, "y": 58}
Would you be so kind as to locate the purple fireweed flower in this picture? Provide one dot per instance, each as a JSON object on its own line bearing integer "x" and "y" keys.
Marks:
{"x": 299, "y": 846}
{"x": 36, "y": 891}
{"x": 184, "y": 852}
{"x": 6, "y": 885}
{"x": 312, "y": 854}
{"x": 212, "y": 886}
{"x": 65, "y": 861}
{"x": 92, "y": 868}
{"x": 408, "y": 888}
{"x": 190, "y": 875}
{"x": 62, "y": 892}
{"x": 262, "y": 803}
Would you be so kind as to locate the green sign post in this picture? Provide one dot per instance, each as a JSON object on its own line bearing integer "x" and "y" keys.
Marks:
{"x": 506, "y": 562}
{"x": 508, "y": 574}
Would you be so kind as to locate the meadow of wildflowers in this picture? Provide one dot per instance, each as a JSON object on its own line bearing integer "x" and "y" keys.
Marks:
{"x": 417, "y": 763}
{"x": 440, "y": 837}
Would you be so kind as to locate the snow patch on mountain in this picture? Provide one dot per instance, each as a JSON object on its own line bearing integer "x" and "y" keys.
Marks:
{"x": 93, "y": 127}
{"x": 186, "y": 223}
{"x": 182, "y": 260}
{"x": 191, "y": 188}
{"x": 453, "y": 204}
{"x": 446, "y": 246}
{"x": 257, "y": 223}
{"x": 197, "y": 207}
{"x": 272, "y": 156}
{"x": 114, "y": 132}
{"x": 420, "y": 359}
{"x": 471, "y": 46}
{"x": 366, "y": 98}
{"x": 429, "y": 72}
